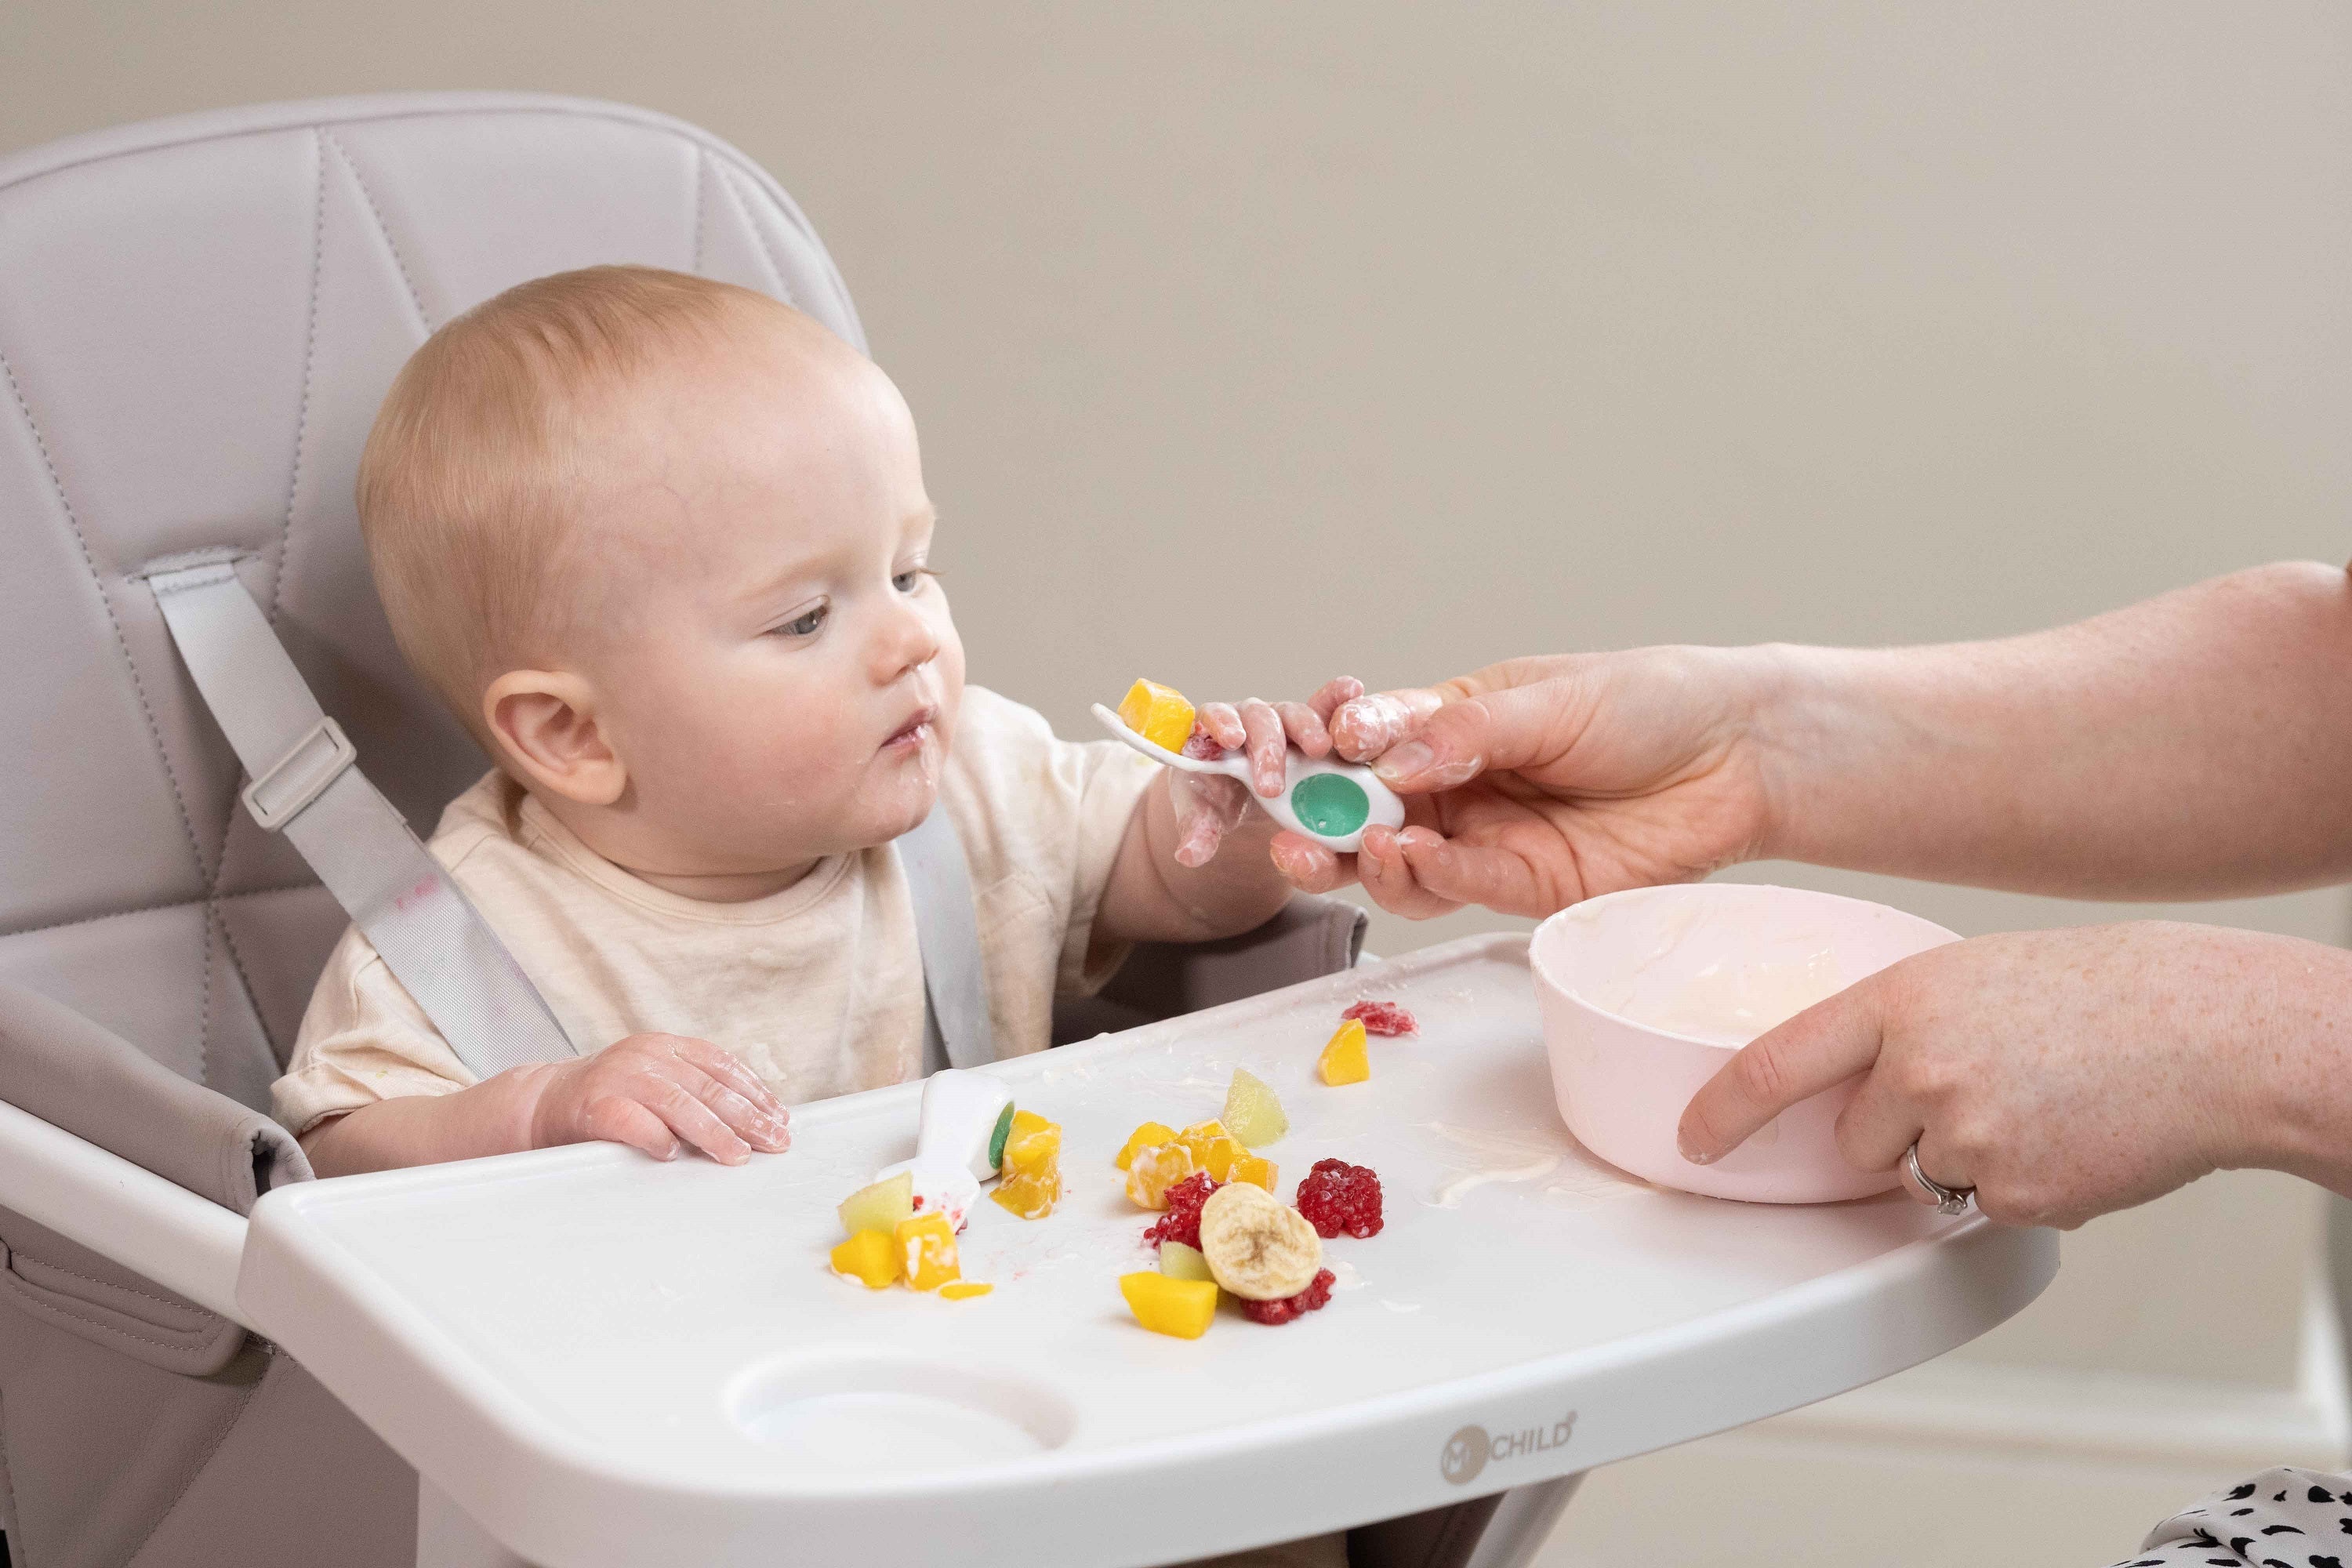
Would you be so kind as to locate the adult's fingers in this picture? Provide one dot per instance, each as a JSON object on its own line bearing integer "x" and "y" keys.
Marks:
{"x": 1879, "y": 1125}
{"x": 1311, "y": 868}
{"x": 1267, "y": 743}
{"x": 1826, "y": 1043}
{"x": 1511, "y": 727}
{"x": 1501, "y": 879}
{"x": 1364, "y": 727}
{"x": 1385, "y": 869}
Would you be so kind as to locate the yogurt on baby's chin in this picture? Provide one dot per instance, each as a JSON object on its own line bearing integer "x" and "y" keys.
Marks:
{"x": 1730, "y": 1004}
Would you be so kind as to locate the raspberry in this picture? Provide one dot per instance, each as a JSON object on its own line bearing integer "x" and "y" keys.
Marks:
{"x": 1384, "y": 1019}
{"x": 1202, "y": 744}
{"x": 1337, "y": 1196}
{"x": 1182, "y": 1220}
{"x": 1316, "y": 1294}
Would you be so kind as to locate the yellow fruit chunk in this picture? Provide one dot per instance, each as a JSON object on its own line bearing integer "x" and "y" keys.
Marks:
{"x": 1144, "y": 1137}
{"x": 1033, "y": 1143}
{"x": 927, "y": 1251}
{"x": 1198, "y": 1136}
{"x": 1256, "y": 1170}
{"x": 1344, "y": 1059}
{"x": 1031, "y": 1194}
{"x": 869, "y": 1257}
{"x": 880, "y": 1207}
{"x": 1156, "y": 1170}
{"x": 1218, "y": 1158}
{"x": 1158, "y": 713}
{"x": 1252, "y": 1114}
{"x": 1179, "y": 1262}
{"x": 1169, "y": 1306}
{"x": 964, "y": 1289}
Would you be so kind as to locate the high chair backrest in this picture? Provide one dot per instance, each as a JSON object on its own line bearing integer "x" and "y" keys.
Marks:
{"x": 198, "y": 317}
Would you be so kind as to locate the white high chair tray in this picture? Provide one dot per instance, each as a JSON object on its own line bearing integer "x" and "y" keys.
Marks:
{"x": 606, "y": 1361}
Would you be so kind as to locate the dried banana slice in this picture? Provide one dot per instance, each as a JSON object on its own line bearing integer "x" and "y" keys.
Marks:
{"x": 1257, "y": 1248}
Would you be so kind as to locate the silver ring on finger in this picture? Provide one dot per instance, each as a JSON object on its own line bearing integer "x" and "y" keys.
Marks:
{"x": 1947, "y": 1200}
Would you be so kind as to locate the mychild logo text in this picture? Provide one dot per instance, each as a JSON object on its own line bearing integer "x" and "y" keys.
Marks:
{"x": 1470, "y": 1450}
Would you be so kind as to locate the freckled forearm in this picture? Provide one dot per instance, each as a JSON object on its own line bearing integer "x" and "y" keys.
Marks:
{"x": 2290, "y": 1067}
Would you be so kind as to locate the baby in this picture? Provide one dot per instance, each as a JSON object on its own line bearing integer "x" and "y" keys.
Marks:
{"x": 663, "y": 546}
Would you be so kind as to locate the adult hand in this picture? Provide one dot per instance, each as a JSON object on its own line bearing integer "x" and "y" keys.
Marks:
{"x": 2064, "y": 1074}
{"x": 654, "y": 1092}
{"x": 1540, "y": 782}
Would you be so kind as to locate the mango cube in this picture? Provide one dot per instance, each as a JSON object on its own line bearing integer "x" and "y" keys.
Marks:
{"x": 927, "y": 1251}
{"x": 964, "y": 1289}
{"x": 1158, "y": 713}
{"x": 1218, "y": 1158}
{"x": 880, "y": 1207}
{"x": 1183, "y": 1308}
{"x": 1198, "y": 1136}
{"x": 1031, "y": 1194}
{"x": 1252, "y": 1114}
{"x": 1144, "y": 1137}
{"x": 1255, "y": 1169}
{"x": 870, "y": 1257}
{"x": 1179, "y": 1262}
{"x": 1033, "y": 1143}
{"x": 1156, "y": 1170}
{"x": 1344, "y": 1059}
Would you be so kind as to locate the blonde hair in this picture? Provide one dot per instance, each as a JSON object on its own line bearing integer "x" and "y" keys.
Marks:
{"x": 485, "y": 442}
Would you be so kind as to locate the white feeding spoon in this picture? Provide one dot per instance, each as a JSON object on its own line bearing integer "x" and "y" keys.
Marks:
{"x": 966, "y": 1116}
{"x": 1330, "y": 802}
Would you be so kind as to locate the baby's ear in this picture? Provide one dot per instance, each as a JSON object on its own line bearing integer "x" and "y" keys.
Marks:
{"x": 545, "y": 724}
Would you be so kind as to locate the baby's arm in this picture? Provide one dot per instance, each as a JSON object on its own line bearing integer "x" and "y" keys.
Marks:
{"x": 1170, "y": 882}
{"x": 654, "y": 1092}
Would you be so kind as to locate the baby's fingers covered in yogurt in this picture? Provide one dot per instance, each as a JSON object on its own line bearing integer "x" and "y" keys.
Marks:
{"x": 1367, "y": 725}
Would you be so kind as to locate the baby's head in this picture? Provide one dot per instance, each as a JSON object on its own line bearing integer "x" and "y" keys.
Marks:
{"x": 662, "y": 543}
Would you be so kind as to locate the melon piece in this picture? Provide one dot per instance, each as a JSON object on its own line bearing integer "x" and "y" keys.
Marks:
{"x": 1252, "y": 1114}
{"x": 880, "y": 1207}
{"x": 1179, "y": 1262}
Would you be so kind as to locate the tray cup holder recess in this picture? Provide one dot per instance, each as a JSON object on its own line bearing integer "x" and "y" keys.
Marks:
{"x": 870, "y": 1414}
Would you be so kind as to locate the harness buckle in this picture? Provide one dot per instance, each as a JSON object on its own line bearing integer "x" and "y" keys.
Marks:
{"x": 286, "y": 789}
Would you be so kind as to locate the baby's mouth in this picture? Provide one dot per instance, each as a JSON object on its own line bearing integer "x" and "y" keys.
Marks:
{"x": 914, "y": 732}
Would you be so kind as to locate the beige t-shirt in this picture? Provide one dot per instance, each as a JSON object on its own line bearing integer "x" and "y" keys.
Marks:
{"x": 817, "y": 988}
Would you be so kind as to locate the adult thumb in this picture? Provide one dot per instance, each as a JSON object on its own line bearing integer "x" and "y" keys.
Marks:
{"x": 1512, "y": 727}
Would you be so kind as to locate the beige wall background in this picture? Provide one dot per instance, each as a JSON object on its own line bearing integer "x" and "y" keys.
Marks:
{"x": 1252, "y": 344}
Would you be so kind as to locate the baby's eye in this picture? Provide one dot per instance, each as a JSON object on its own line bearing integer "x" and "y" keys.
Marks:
{"x": 807, "y": 625}
{"x": 909, "y": 580}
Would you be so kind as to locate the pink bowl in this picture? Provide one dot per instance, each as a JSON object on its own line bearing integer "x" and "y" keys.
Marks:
{"x": 1621, "y": 1085}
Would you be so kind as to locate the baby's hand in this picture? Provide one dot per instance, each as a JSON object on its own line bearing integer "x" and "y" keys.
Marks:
{"x": 654, "y": 1091}
{"x": 1209, "y": 807}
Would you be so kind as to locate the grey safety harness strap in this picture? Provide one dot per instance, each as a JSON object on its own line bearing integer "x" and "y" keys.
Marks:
{"x": 306, "y": 787}
{"x": 956, "y": 1028}
{"x": 305, "y": 784}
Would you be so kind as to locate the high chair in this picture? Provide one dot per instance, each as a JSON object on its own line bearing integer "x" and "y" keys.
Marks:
{"x": 198, "y": 317}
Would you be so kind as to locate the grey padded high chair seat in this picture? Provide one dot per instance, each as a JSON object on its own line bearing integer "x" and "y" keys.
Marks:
{"x": 198, "y": 317}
